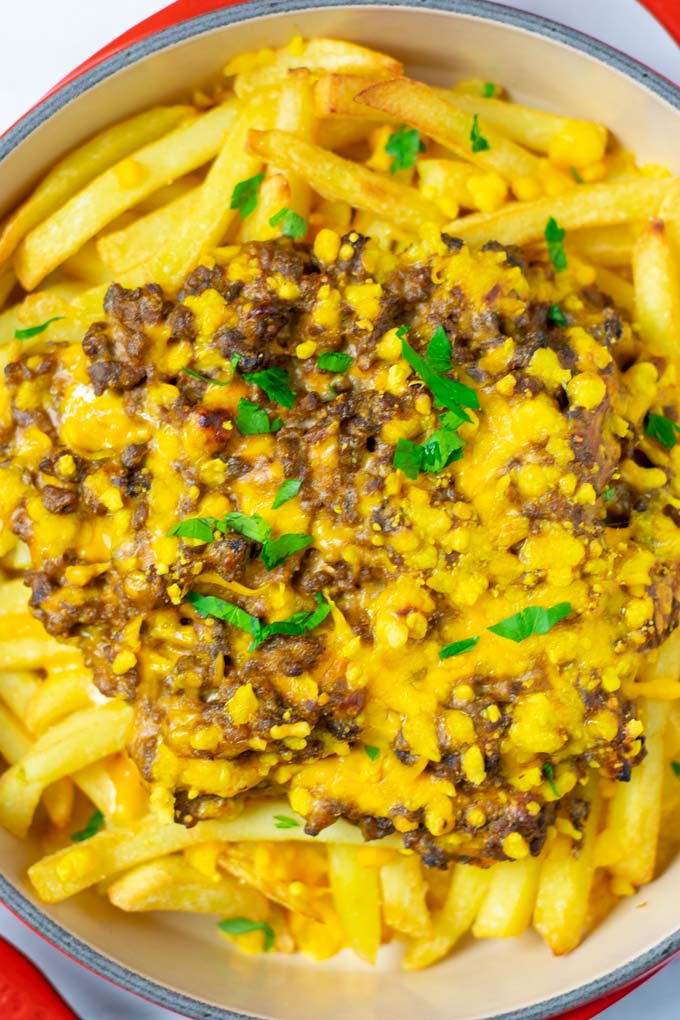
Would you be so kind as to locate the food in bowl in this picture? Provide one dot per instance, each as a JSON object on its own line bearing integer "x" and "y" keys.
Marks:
{"x": 340, "y": 430}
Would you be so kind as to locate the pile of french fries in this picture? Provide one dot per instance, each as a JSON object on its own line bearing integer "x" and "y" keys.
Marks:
{"x": 147, "y": 201}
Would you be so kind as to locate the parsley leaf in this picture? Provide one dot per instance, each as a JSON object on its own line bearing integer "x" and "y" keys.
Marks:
{"x": 549, "y": 774}
{"x": 244, "y": 196}
{"x": 287, "y": 490}
{"x": 277, "y": 550}
{"x": 298, "y": 623}
{"x": 284, "y": 822}
{"x": 402, "y": 332}
{"x": 663, "y": 429}
{"x": 441, "y": 449}
{"x": 200, "y": 528}
{"x": 276, "y": 384}
{"x": 372, "y": 752}
{"x": 608, "y": 495}
{"x": 205, "y": 378}
{"x": 532, "y": 620}
{"x": 556, "y": 316}
{"x": 458, "y": 648}
{"x": 334, "y": 361}
{"x": 408, "y": 457}
{"x": 488, "y": 90}
{"x": 26, "y": 334}
{"x": 211, "y": 605}
{"x": 94, "y": 824}
{"x": 253, "y": 420}
{"x": 292, "y": 224}
{"x": 250, "y": 526}
{"x": 576, "y": 175}
{"x": 447, "y": 392}
{"x": 554, "y": 238}
{"x": 243, "y": 925}
{"x": 675, "y": 765}
{"x": 438, "y": 352}
{"x": 478, "y": 142}
{"x": 403, "y": 146}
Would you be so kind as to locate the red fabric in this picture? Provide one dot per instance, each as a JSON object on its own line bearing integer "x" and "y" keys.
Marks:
{"x": 668, "y": 13}
{"x": 24, "y": 993}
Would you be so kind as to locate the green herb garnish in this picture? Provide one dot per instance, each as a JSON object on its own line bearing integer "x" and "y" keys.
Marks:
{"x": 299, "y": 623}
{"x": 549, "y": 774}
{"x": 488, "y": 90}
{"x": 675, "y": 765}
{"x": 94, "y": 824}
{"x": 403, "y": 146}
{"x": 243, "y": 925}
{"x": 556, "y": 316}
{"x": 532, "y": 620}
{"x": 447, "y": 392}
{"x": 663, "y": 429}
{"x": 608, "y": 495}
{"x": 292, "y": 224}
{"x": 334, "y": 362}
{"x": 253, "y": 420}
{"x": 408, "y": 458}
{"x": 372, "y": 752}
{"x": 276, "y": 384}
{"x": 438, "y": 354}
{"x": 458, "y": 648}
{"x": 211, "y": 605}
{"x": 576, "y": 175}
{"x": 277, "y": 550}
{"x": 205, "y": 378}
{"x": 251, "y": 526}
{"x": 402, "y": 331}
{"x": 284, "y": 822}
{"x": 478, "y": 143}
{"x": 26, "y": 334}
{"x": 287, "y": 490}
{"x": 200, "y": 528}
{"x": 554, "y": 238}
{"x": 244, "y": 196}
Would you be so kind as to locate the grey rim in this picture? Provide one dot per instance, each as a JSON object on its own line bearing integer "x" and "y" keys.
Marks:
{"x": 481, "y": 9}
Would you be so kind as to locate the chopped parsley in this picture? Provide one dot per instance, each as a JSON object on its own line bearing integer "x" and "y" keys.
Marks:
{"x": 438, "y": 352}
{"x": 549, "y": 773}
{"x": 277, "y": 550}
{"x": 299, "y": 623}
{"x": 556, "y": 316}
{"x": 200, "y": 528}
{"x": 576, "y": 175}
{"x": 26, "y": 334}
{"x": 448, "y": 393}
{"x": 211, "y": 605}
{"x": 663, "y": 429}
{"x": 608, "y": 495}
{"x": 408, "y": 458}
{"x": 243, "y": 925}
{"x": 245, "y": 194}
{"x": 252, "y": 526}
{"x": 488, "y": 90}
{"x": 276, "y": 384}
{"x": 284, "y": 822}
{"x": 253, "y": 420}
{"x": 532, "y": 620}
{"x": 403, "y": 146}
{"x": 554, "y": 238}
{"x": 478, "y": 143}
{"x": 94, "y": 824}
{"x": 441, "y": 449}
{"x": 675, "y": 765}
{"x": 292, "y": 224}
{"x": 334, "y": 361}
{"x": 287, "y": 490}
{"x": 372, "y": 752}
{"x": 458, "y": 648}
{"x": 205, "y": 378}
{"x": 402, "y": 332}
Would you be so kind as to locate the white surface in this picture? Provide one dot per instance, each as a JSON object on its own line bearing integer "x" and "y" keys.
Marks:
{"x": 42, "y": 40}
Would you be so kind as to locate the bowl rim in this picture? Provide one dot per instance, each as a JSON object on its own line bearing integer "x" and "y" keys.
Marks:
{"x": 183, "y": 28}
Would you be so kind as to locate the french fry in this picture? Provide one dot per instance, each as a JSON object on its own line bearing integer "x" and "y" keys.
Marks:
{"x": 240, "y": 860}
{"x": 210, "y": 216}
{"x": 14, "y": 740}
{"x": 403, "y": 896}
{"x": 606, "y": 246}
{"x": 656, "y": 278}
{"x": 536, "y": 129}
{"x": 507, "y": 907}
{"x": 417, "y": 104}
{"x": 86, "y": 265}
{"x": 8, "y": 282}
{"x": 339, "y": 179}
{"x": 314, "y": 54}
{"x": 453, "y": 183}
{"x": 172, "y": 884}
{"x": 274, "y": 195}
{"x": 356, "y": 894}
{"x": 635, "y": 809}
{"x": 80, "y": 167}
{"x": 119, "y": 188}
{"x": 296, "y": 114}
{"x": 335, "y": 96}
{"x": 338, "y": 134}
{"x": 66, "y": 690}
{"x": 122, "y": 250}
{"x": 17, "y": 690}
{"x": 619, "y": 290}
{"x": 565, "y": 884}
{"x": 589, "y": 205}
{"x": 467, "y": 890}
{"x": 58, "y": 799}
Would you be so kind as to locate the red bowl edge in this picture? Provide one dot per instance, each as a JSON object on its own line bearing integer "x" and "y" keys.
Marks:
{"x": 185, "y": 10}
